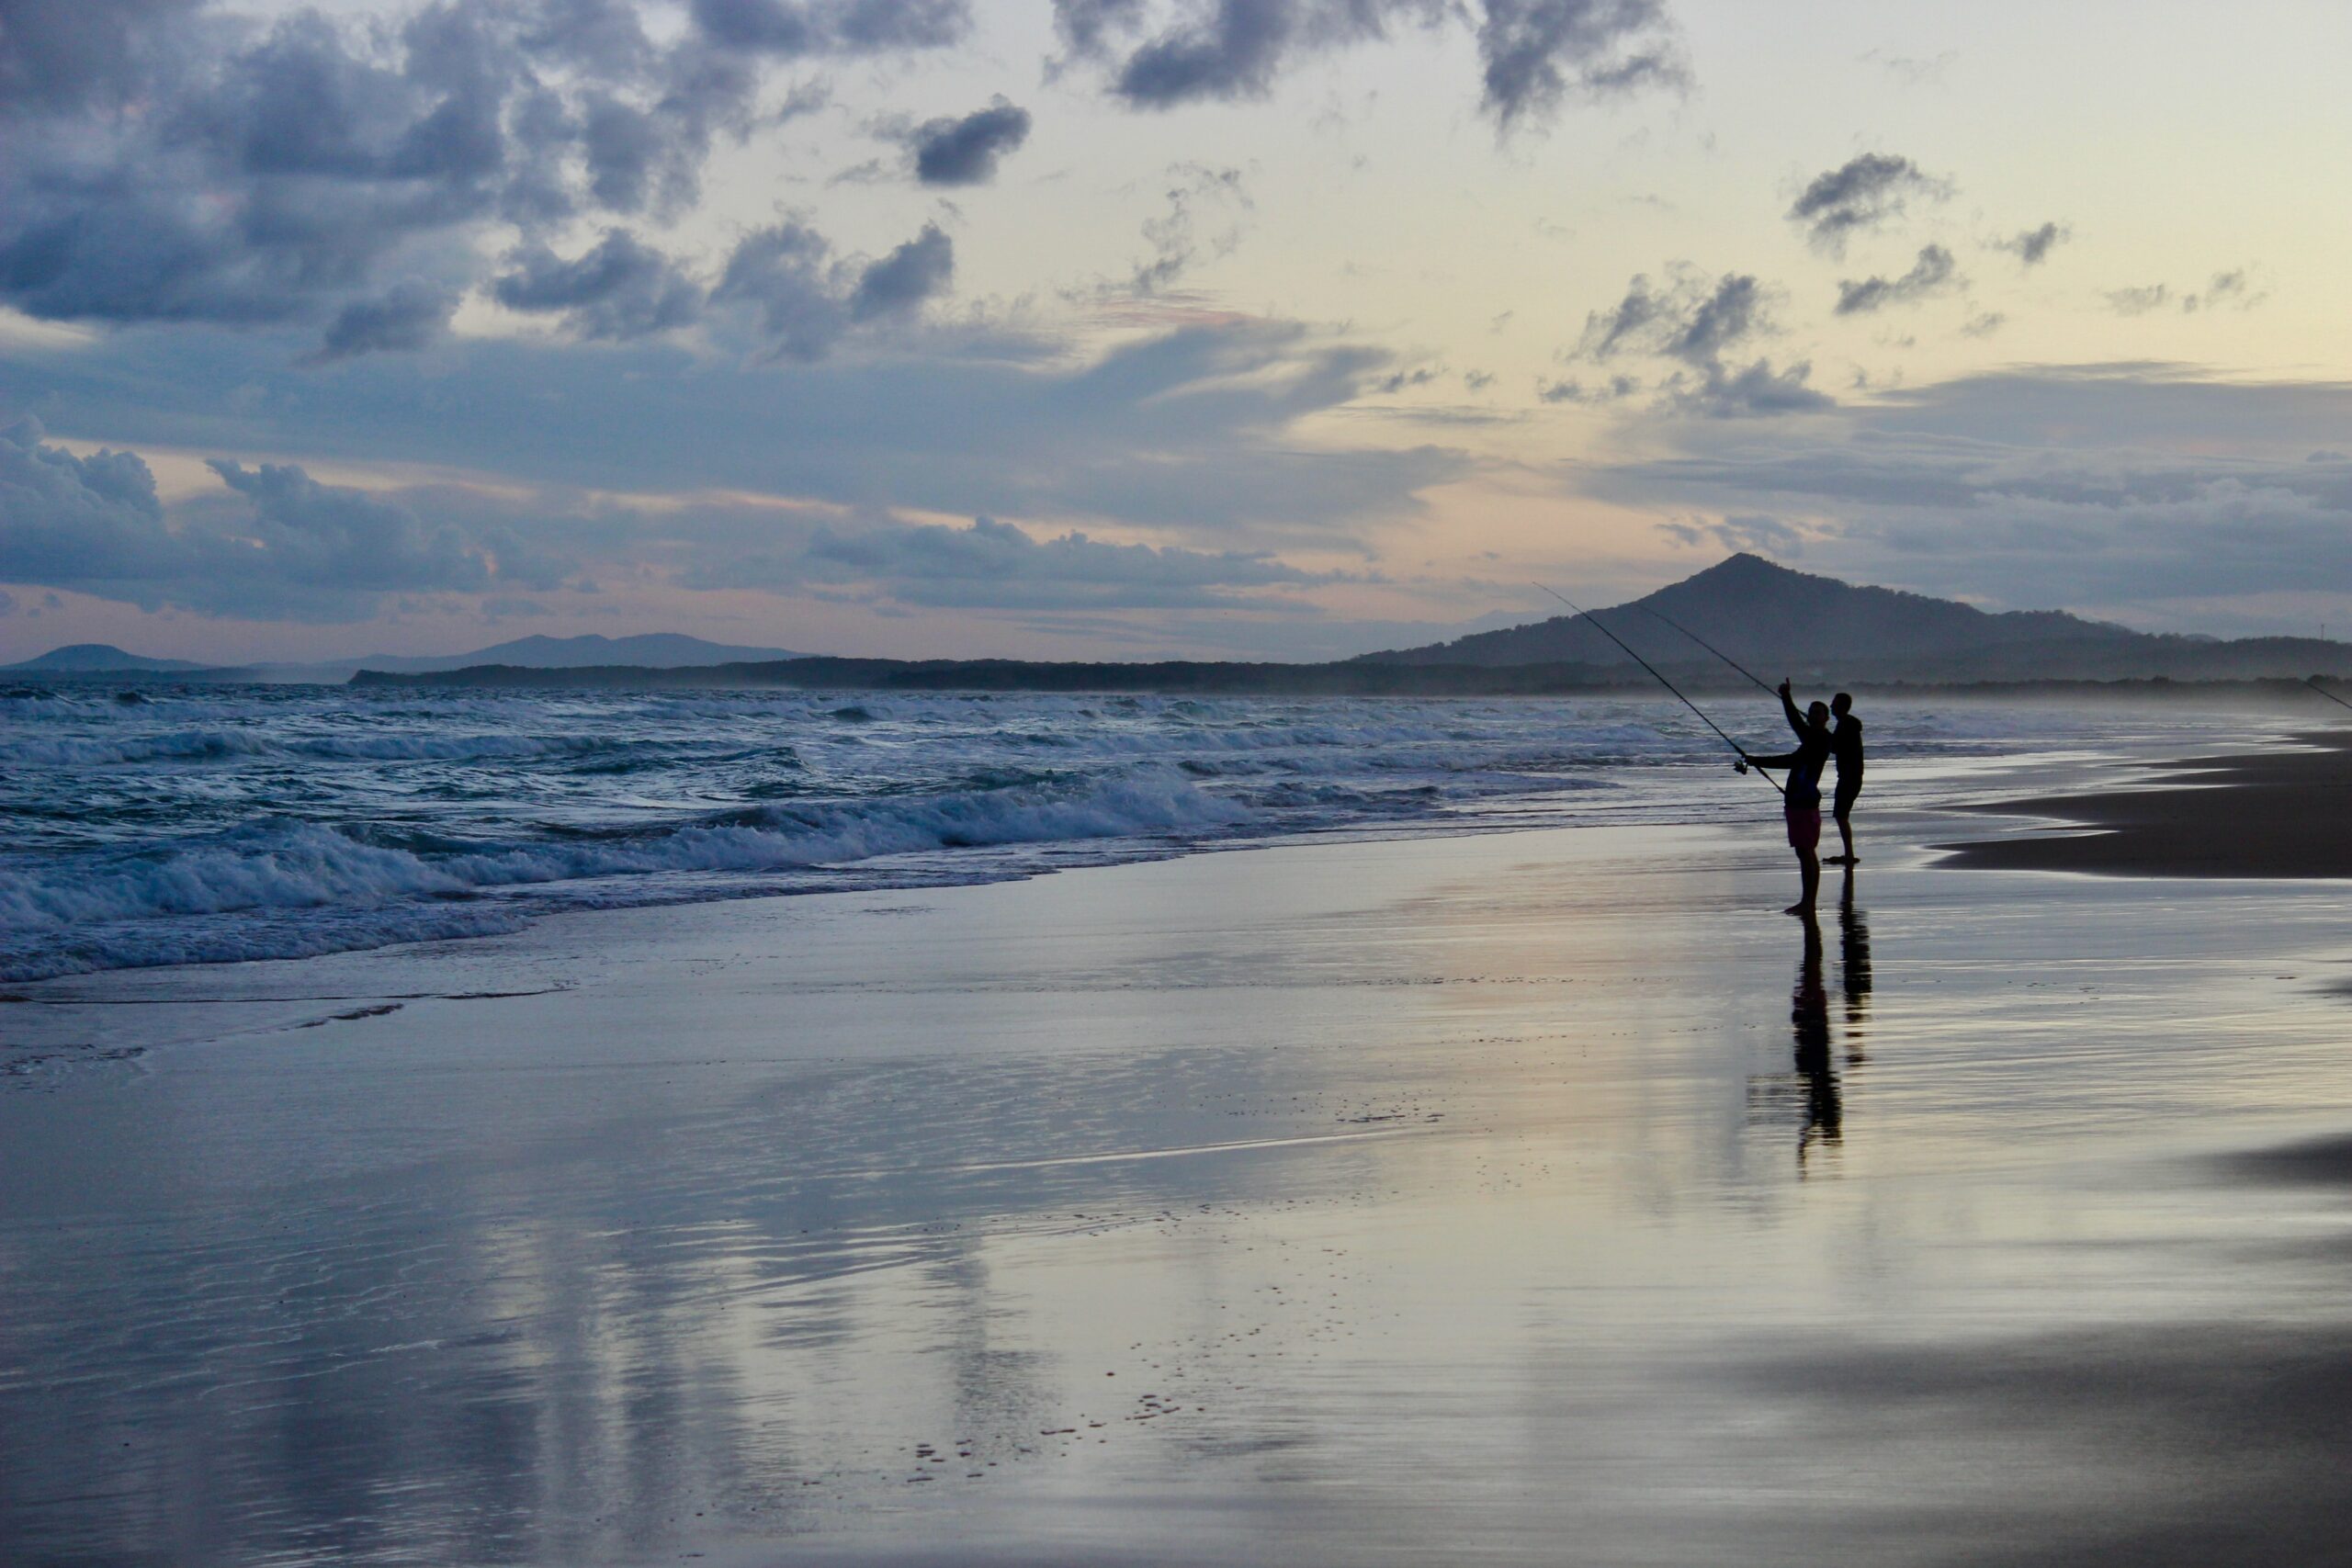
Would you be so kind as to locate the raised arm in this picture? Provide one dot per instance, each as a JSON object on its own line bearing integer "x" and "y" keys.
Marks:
{"x": 1788, "y": 708}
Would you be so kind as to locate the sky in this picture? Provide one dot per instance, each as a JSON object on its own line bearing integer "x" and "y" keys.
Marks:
{"x": 1279, "y": 329}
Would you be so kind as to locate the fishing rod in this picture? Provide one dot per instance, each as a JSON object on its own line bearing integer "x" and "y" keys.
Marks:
{"x": 1662, "y": 680}
{"x": 1711, "y": 647}
{"x": 2324, "y": 692}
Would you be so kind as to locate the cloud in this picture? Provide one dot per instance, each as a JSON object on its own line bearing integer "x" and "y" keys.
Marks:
{"x": 798, "y": 28}
{"x": 1860, "y": 194}
{"x": 1533, "y": 55}
{"x": 280, "y": 545}
{"x": 1754, "y": 533}
{"x": 2163, "y": 487}
{"x": 621, "y": 289}
{"x": 61, "y": 55}
{"x": 1932, "y": 273}
{"x": 1701, "y": 325}
{"x": 994, "y": 565}
{"x": 804, "y": 298}
{"x": 167, "y": 165}
{"x": 966, "y": 152}
{"x": 1193, "y": 190}
{"x": 2226, "y": 290}
{"x": 906, "y": 277}
{"x": 1983, "y": 324}
{"x": 2032, "y": 246}
{"x": 1195, "y": 433}
{"x": 409, "y": 315}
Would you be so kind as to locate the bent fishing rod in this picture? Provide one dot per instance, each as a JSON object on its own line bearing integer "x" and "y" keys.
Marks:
{"x": 1669, "y": 685}
{"x": 1718, "y": 652}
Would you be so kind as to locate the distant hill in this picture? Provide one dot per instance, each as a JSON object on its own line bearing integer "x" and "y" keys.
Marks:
{"x": 651, "y": 651}
{"x": 97, "y": 659}
{"x": 1762, "y": 613}
{"x": 1779, "y": 622}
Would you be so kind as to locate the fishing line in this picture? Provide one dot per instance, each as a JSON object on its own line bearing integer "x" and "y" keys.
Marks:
{"x": 1669, "y": 685}
{"x": 1718, "y": 652}
{"x": 2331, "y": 696}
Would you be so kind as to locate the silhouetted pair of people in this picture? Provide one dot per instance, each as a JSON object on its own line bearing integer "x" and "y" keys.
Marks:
{"x": 1817, "y": 742}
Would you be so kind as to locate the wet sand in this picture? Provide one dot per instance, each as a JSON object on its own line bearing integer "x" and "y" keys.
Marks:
{"x": 1529, "y": 1198}
{"x": 2274, "y": 814}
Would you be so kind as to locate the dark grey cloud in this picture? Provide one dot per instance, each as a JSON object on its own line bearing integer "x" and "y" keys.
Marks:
{"x": 301, "y": 171}
{"x": 1934, "y": 272}
{"x": 2032, "y": 246}
{"x": 278, "y": 544}
{"x": 409, "y": 315}
{"x": 621, "y": 289}
{"x": 993, "y": 565}
{"x": 803, "y": 297}
{"x": 795, "y": 28}
{"x": 904, "y": 280}
{"x": 2163, "y": 487}
{"x": 966, "y": 150}
{"x": 1860, "y": 194}
{"x": 1702, "y": 325}
{"x": 1535, "y": 55}
{"x": 62, "y": 54}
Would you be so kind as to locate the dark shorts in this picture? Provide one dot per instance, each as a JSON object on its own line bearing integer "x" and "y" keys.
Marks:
{"x": 1804, "y": 827}
{"x": 1848, "y": 789}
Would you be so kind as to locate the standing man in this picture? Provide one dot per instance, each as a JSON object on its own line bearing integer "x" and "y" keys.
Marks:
{"x": 1846, "y": 745}
{"x": 1803, "y": 803}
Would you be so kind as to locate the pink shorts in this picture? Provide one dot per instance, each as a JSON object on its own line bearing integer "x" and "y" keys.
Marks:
{"x": 1804, "y": 827}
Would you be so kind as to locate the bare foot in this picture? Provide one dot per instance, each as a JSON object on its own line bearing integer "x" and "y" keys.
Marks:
{"x": 1798, "y": 909}
{"x": 1842, "y": 859}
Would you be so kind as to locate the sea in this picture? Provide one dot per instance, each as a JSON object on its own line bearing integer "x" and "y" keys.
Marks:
{"x": 174, "y": 824}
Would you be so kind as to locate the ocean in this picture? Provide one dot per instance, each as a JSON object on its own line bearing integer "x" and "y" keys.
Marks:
{"x": 199, "y": 824}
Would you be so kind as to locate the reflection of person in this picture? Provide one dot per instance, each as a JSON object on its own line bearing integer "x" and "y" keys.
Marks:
{"x": 1809, "y": 1025}
{"x": 1854, "y": 959}
{"x": 1846, "y": 745}
{"x": 1802, "y": 805}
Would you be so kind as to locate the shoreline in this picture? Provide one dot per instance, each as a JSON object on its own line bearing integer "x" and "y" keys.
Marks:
{"x": 1401, "y": 1201}
{"x": 2275, "y": 815}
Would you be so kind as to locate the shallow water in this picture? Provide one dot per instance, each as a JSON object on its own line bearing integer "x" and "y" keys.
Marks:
{"x": 1519, "y": 1198}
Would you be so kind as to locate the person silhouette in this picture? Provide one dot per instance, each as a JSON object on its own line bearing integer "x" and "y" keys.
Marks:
{"x": 1801, "y": 806}
{"x": 1846, "y": 745}
{"x": 1809, "y": 1028}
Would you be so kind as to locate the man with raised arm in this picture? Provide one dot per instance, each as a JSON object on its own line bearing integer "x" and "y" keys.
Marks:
{"x": 1846, "y": 745}
{"x": 1802, "y": 804}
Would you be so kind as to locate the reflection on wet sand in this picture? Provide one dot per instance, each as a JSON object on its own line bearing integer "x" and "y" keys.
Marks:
{"x": 1399, "y": 1204}
{"x": 1815, "y": 1081}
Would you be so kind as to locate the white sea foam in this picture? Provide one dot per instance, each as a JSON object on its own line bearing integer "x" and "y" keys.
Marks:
{"x": 216, "y": 823}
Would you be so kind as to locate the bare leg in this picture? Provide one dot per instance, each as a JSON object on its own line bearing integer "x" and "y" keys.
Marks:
{"x": 1846, "y": 834}
{"x": 1809, "y": 875}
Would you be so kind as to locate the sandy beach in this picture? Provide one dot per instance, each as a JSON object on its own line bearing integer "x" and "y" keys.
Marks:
{"x": 1528, "y": 1197}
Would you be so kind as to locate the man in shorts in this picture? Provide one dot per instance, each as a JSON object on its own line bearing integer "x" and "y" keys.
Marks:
{"x": 1803, "y": 805}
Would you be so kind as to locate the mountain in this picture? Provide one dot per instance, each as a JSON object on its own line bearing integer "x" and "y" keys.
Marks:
{"x": 97, "y": 659}
{"x": 1765, "y": 615}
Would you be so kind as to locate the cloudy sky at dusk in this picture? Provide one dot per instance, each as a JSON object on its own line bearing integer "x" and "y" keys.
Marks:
{"x": 1127, "y": 328}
